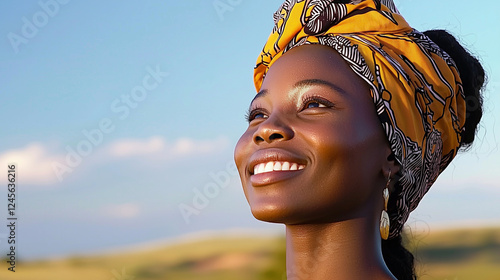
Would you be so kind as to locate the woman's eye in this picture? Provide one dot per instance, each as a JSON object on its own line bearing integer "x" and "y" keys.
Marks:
{"x": 314, "y": 104}
{"x": 258, "y": 116}
{"x": 255, "y": 114}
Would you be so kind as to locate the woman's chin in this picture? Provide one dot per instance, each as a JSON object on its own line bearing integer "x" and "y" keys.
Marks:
{"x": 272, "y": 214}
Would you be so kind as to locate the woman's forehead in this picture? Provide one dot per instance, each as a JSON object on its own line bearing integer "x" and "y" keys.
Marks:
{"x": 311, "y": 65}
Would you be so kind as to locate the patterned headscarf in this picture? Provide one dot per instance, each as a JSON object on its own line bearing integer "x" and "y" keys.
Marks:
{"x": 415, "y": 85}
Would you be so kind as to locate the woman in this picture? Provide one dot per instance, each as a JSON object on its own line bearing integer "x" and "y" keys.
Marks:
{"x": 355, "y": 117}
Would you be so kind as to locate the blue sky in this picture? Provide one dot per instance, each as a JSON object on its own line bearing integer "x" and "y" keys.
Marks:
{"x": 162, "y": 87}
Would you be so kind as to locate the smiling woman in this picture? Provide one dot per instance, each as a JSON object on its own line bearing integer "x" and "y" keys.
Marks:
{"x": 320, "y": 118}
{"x": 355, "y": 117}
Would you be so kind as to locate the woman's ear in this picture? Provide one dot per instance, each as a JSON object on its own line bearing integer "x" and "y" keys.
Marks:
{"x": 391, "y": 166}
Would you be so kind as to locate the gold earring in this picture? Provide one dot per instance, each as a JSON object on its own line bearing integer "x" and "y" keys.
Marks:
{"x": 384, "y": 219}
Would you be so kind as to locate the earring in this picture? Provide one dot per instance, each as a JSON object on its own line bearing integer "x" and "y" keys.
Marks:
{"x": 384, "y": 219}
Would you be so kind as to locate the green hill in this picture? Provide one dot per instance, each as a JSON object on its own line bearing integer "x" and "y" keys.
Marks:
{"x": 454, "y": 254}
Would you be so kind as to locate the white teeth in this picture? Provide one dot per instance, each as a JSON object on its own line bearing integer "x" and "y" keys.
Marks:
{"x": 276, "y": 166}
{"x": 285, "y": 166}
{"x": 269, "y": 166}
{"x": 261, "y": 168}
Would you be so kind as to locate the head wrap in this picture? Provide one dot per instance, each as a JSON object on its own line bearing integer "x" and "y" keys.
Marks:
{"x": 415, "y": 85}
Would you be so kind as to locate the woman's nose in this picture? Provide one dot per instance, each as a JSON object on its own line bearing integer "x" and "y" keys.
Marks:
{"x": 272, "y": 129}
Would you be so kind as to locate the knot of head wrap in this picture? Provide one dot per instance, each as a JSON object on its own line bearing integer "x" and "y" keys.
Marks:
{"x": 416, "y": 87}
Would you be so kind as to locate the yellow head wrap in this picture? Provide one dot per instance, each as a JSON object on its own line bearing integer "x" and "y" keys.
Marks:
{"x": 415, "y": 85}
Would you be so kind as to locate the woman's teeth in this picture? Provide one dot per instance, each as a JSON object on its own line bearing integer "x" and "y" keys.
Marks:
{"x": 276, "y": 166}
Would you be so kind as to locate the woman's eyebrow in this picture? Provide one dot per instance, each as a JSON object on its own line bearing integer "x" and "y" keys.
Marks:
{"x": 313, "y": 82}
{"x": 305, "y": 83}
{"x": 261, "y": 93}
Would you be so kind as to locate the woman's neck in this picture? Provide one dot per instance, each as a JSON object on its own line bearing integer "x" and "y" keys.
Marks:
{"x": 347, "y": 250}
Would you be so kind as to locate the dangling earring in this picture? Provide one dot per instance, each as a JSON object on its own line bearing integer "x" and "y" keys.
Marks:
{"x": 384, "y": 219}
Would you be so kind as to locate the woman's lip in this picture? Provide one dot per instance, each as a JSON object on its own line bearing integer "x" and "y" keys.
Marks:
{"x": 273, "y": 155}
{"x": 268, "y": 178}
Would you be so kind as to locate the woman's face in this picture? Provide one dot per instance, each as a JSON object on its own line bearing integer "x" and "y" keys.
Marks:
{"x": 314, "y": 149}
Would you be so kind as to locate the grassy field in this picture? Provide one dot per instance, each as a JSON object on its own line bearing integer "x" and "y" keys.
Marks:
{"x": 446, "y": 255}
{"x": 458, "y": 255}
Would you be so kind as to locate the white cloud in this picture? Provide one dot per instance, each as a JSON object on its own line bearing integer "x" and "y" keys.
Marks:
{"x": 122, "y": 211}
{"x": 132, "y": 147}
{"x": 185, "y": 146}
{"x": 158, "y": 147}
{"x": 34, "y": 164}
